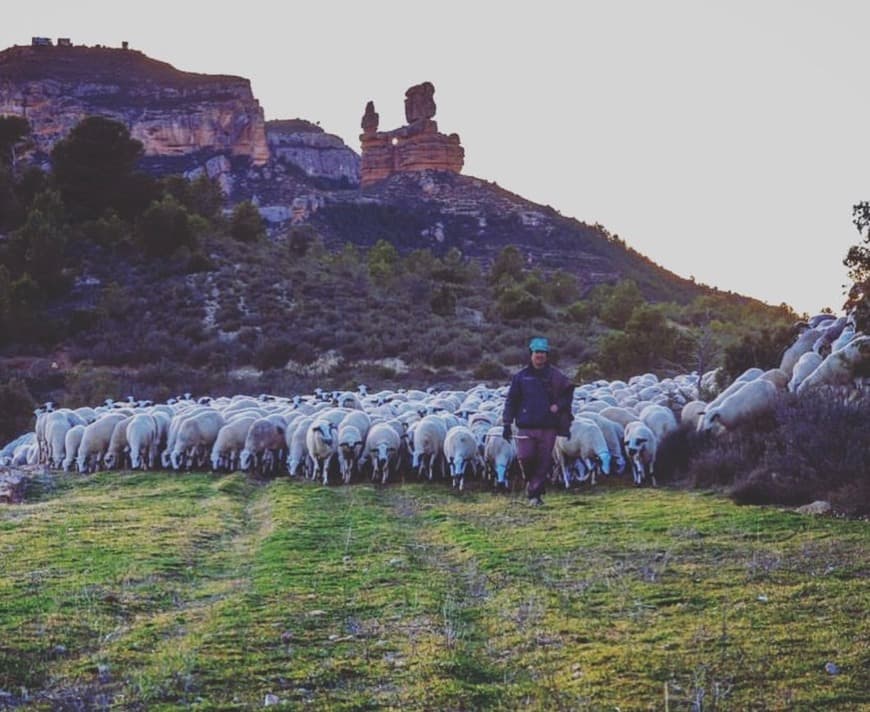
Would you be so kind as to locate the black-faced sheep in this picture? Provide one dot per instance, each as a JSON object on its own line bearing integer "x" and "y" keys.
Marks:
{"x": 582, "y": 454}
{"x": 641, "y": 446}
{"x": 320, "y": 441}
{"x": 352, "y": 432}
{"x": 382, "y": 451}
{"x": 613, "y": 435}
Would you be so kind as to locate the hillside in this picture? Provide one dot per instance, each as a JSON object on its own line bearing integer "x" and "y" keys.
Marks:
{"x": 318, "y": 301}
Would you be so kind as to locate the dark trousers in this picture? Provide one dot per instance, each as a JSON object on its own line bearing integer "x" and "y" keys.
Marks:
{"x": 535, "y": 453}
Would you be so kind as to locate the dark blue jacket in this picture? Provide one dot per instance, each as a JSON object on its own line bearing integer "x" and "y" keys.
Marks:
{"x": 532, "y": 392}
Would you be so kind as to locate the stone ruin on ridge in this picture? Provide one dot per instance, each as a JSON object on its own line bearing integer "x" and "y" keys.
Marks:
{"x": 417, "y": 146}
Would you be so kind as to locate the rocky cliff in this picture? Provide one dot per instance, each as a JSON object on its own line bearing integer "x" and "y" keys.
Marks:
{"x": 317, "y": 153}
{"x": 173, "y": 113}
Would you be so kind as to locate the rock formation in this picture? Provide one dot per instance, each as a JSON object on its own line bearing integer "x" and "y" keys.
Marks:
{"x": 417, "y": 146}
{"x": 319, "y": 154}
{"x": 172, "y": 113}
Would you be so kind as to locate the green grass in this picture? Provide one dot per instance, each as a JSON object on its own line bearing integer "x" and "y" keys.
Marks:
{"x": 159, "y": 591}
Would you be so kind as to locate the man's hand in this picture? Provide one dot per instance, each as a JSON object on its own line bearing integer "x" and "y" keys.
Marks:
{"x": 507, "y": 433}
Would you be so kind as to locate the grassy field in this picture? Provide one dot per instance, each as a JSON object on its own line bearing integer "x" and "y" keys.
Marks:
{"x": 164, "y": 591}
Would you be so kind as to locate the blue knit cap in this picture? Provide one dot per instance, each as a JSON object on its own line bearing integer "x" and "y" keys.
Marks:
{"x": 539, "y": 343}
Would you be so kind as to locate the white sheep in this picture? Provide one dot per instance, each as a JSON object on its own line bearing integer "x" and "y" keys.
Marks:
{"x": 847, "y": 335}
{"x": 229, "y": 443}
{"x": 320, "y": 441}
{"x": 831, "y": 331}
{"x": 72, "y": 441}
{"x": 618, "y": 414}
{"x": 57, "y": 424}
{"x": 39, "y": 429}
{"x": 8, "y": 449}
{"x": 749, "y": 375}
{"x": 195, "y": 438}
{"x": 613, "y": 435}
{"x": 382, "y": 450}
{"x": 297, "y": 449}
{"x": 807, "y": 363}
{"x": 118, "y": 453}
{"x": 95, "y": 441}
{"x": 751, "y": 401}
{"x": 185, "y": 411}
{"x": 461, "y": 453}
{"x": 777, "y": 377}
{"x": 660, "y": 420}
{"x": 692, "y": 413}
{"x": 585, "y": 452}
{"x": 499, "y": 454}
{"x": 352, "y": 432}
{"x": 641, "y": 446}
{"x": 143, "y": 439}
{"x": 427, "y": 446}
{"x": 162, "y": 420}
{"x": 264, "y": 443}
{"x": 840, "y": 368}
{"x": 803, "y": 343}
{"x": 27, "y": 453}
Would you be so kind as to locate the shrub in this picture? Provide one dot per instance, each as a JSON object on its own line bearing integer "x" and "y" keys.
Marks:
{"x": 580, "y": 312}
{"x": 16, "y": 415}
{"x": 517, "y": 303}
{"x": 489, "y": 370}
{"x": 811, "y": 448}
{"x": 165, "y": 227}
{"x": 273, "y": 353}
{"x": 246, "y": 224}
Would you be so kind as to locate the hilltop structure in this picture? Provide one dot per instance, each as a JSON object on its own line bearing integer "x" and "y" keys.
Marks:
{"x": 417, "y": 146}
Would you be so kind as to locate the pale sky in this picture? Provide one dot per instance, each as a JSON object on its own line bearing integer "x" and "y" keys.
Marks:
{"x": 724, "y": 140}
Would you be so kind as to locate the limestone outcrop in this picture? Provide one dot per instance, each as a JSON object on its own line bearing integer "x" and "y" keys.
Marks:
{"x": 173, "y": 113}
{"x": 317, "y": 153}
{"x": 417, "y": 146}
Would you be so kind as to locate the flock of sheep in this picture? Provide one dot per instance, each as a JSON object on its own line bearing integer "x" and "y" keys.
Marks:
{"x": 452, "y": 436}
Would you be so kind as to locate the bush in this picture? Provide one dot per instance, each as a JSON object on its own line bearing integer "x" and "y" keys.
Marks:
{"x": 165, "y": 227}
{"x": 517, "y": 303}
{"x": 273, "y": 354}
{"x": 489, "y": 370}
{"x": 812, "y": 448}
{"x": 246, "y": 224}
{"x": 16, "y": 415}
